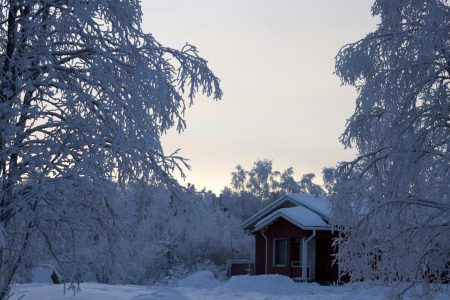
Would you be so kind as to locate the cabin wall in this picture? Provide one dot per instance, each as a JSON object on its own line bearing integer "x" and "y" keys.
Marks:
{"x": 282, "y": 229}
{"x": 260, "y": 253}
{"x": 325, "y": 270}
{"x": 319, "y": 251}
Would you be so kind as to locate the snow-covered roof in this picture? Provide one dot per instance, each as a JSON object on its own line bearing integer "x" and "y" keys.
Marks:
{"x": 301, "y": 216}
{"x": 316, "y": 205}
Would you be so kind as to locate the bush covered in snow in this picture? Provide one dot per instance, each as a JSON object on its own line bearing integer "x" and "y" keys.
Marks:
{"x": 156, "y": 235}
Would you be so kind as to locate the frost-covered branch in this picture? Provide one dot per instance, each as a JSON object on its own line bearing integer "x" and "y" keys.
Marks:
{"x": 392, "y": 202}
{"x": 84, "y": 97}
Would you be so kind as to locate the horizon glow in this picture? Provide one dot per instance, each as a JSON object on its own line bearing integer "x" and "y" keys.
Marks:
{"x": 275, "y": 60}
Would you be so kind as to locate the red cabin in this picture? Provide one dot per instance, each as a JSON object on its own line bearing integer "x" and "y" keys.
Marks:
{"x": 293, "y": 238}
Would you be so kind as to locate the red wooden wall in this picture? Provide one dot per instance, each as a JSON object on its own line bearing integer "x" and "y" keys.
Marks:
{"x": 282, "y": 228}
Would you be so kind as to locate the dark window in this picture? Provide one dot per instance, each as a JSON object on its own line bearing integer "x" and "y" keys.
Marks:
{"x": 279, "y": 252}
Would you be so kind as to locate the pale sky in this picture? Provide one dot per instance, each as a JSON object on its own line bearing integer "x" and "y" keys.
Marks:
{"x": 275, "y": 59}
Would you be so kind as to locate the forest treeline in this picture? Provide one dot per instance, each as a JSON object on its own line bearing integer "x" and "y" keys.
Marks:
{"x": 153, "y": 233}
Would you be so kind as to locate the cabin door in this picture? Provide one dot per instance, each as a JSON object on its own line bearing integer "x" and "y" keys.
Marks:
{"x": 325, "y": 270}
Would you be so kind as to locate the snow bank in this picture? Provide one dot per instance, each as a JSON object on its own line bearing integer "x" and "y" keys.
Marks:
{"x": 162, "y": 293}
{"x": 201, "y": 280}
{"x": 269, "y": 284}
{"x": 238, "y": 288}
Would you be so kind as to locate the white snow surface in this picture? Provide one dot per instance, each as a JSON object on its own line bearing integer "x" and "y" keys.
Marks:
{"x": 201, "y": 280}
{"x": 267, "y": 284}
{"x": 200, "y": 286}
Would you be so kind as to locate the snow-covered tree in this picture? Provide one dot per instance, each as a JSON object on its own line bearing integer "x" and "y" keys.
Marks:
{"x": 84, "y": 98}
{"x": 392, "y": 203}
{"x": 167, "y": 235}
{"x": 252, "y": 189}
{"x": 287, "y": 183}
{"x": 329, "y": 179}
{"x": 307, "y": 185}
{"x": 262, "y": 179}
{"x": 241, "y": 205}
{"x": 238, "y": 178}
{"x": 156, "y": 236}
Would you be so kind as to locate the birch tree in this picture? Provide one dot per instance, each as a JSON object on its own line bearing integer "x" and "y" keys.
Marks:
{"x": 85, "y": 95}
{"x": 392, "y": 203}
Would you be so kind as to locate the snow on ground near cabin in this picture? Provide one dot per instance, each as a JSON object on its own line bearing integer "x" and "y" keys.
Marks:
{"x": 203, "y": 286}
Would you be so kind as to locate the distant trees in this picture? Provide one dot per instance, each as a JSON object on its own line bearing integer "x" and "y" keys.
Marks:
{"x": 84, "y": 98}
{"x": 241, "y": 205}
{"x": 155, "y": 235}
{"x": 147, "y": 233}
{"x": 168, "y": 235}
{"x": 266, "y": 183}
{"x": 252, "y": 189}
{"x": 393, "y": 200}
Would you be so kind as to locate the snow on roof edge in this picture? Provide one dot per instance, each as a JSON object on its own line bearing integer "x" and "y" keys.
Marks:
{"x": 250, "y": 220}
{"x": 301, "y": 216}
{"x": 309, "y": 201}
{"x": 316, "y": 203}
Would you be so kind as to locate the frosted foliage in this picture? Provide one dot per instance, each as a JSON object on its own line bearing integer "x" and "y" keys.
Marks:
{"x": 267, "y": 184}
{"x": 288, "y": 183}
{"x": 2, "y": 236}
{"x": 307, "y": 185}
{"x": 393, "y": 201}
{"x": 151, "y": 235}
{"x": 84, "y": 97}
{"x": 238, "y": 178}
{"x": 329, "y": 178}
{"x": 261, "y": 178}
{"x": 167, "y": 235}
{"x": 241, "y": 205}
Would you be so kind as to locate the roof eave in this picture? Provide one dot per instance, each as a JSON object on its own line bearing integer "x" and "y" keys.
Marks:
{"x": 246, "y": 225}
{"x": 281, "y": 215}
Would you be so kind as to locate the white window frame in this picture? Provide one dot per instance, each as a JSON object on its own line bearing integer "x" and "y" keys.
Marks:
{"x": 285, "y": 252}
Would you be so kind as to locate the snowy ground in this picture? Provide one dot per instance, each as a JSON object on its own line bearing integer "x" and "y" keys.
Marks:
{"x": 202, "y": 286}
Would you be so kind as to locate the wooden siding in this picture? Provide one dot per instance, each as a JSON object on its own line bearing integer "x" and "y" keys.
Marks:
{"x": 281, "y": 228}
{"x": 260, "y": 253}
